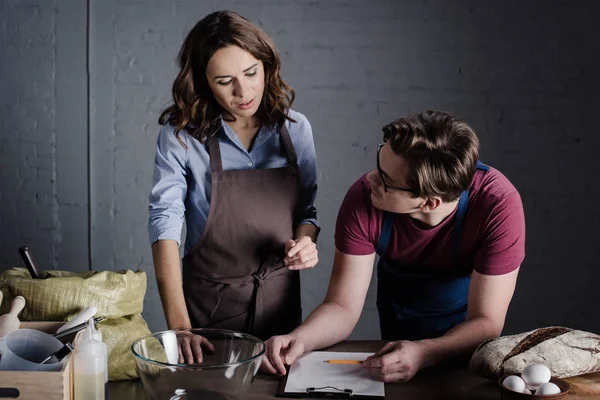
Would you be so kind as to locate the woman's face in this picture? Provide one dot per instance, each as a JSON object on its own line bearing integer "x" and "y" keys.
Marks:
{"x": 237, "y": 80}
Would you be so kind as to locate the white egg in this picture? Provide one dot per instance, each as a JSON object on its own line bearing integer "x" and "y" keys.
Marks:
{"x": 514, "y": 383}
{"x": 526, "y": 391}
{"x": 534, "y": 375}
{"x": 547, "y": 388}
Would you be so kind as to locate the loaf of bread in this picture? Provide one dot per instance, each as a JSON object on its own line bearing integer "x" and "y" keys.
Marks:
{"x": 567, "y": 352}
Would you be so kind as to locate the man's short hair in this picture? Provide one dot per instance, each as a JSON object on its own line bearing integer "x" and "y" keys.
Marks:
{"x": 441, "y": 152}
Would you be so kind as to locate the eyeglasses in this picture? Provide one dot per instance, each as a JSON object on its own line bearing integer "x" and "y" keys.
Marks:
{"x": 385, "y": 185}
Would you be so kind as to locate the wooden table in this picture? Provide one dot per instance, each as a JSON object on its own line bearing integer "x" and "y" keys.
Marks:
{"x": 439, "y": 383}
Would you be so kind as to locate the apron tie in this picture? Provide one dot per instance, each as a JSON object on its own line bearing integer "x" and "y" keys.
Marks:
{"x": 257, "y": 307}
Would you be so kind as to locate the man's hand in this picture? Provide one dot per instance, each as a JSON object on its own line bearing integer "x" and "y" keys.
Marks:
{"x": 301, "y": 253}
{"x": 190, "y": 347}
{"x": 281, "y": 351}
{"x": 396, "y": 361}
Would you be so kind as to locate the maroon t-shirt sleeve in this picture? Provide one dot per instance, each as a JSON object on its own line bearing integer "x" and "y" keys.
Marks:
{"x": 503, "y": 245}
{"x": 353, "y": 234}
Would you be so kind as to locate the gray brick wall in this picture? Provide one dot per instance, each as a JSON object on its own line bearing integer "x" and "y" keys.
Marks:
{"x": 27, "y": 124}
{"x": 525, "y": 74}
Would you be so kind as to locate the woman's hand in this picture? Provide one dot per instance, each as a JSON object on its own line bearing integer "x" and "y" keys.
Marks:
{"x": 190, "y": 347}
{"x": 301, "y": 253}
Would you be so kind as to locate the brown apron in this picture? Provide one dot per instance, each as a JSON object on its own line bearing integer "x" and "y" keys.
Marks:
{"x": 234, "y": 277}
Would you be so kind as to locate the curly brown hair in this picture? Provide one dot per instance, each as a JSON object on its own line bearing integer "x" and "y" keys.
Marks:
{"x": 194, "y": 107}
{"x": 440, "y": 151}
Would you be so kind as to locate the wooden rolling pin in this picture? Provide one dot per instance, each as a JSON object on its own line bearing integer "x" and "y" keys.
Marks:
{"x": 10, "y": 322}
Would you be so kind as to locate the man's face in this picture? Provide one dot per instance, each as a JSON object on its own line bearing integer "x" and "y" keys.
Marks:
{"x": 391, "y": 172}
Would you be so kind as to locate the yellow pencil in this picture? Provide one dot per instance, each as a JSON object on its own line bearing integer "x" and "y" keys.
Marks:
{"x": 343, "y": 361}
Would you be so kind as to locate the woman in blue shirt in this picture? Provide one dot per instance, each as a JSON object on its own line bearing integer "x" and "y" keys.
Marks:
{"x": 239, "y": 165}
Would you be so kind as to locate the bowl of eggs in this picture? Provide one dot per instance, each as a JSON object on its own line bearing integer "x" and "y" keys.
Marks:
{"x": 534, "y": 382}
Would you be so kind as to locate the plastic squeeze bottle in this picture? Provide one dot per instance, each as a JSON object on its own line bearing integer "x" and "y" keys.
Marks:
{"x": 90, "y": 366}
{"x": 97, "y": 335}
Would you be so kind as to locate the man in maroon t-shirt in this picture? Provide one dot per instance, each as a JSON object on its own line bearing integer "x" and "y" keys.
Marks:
{"x": 450, "y": 233}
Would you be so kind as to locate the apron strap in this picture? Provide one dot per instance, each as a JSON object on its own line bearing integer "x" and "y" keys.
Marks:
{"x": 460, "y": 218}
{"x": 481, "y": 166}
{"x": 214, "y": 150}
{"x": 386, "y": 232}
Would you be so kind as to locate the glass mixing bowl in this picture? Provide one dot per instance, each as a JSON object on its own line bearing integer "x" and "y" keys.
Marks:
{"x": 224, "y": 374}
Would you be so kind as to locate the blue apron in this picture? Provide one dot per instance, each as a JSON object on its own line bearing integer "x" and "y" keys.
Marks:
{"x": 414, "y": 305}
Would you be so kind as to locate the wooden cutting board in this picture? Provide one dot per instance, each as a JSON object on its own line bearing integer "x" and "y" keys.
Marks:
{"x": 585, "y": 384}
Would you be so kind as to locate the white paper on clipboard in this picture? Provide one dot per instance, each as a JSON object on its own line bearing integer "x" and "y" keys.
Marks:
{"x": 310, "y": 370}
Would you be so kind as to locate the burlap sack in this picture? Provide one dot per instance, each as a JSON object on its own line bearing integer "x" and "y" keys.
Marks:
{"x": 567, "y": 352}
{"x": 119, "y": 297}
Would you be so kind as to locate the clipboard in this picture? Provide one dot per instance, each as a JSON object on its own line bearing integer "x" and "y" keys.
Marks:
{"x": 332, "y": 393}
{"x": 322, "y": 390}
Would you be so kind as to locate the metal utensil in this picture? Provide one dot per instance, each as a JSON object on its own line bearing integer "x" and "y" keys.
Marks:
{"x": 76, "y": 328}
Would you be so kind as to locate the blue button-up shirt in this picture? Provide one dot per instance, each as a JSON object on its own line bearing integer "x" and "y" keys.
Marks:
{"x": 182, "y": 177}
